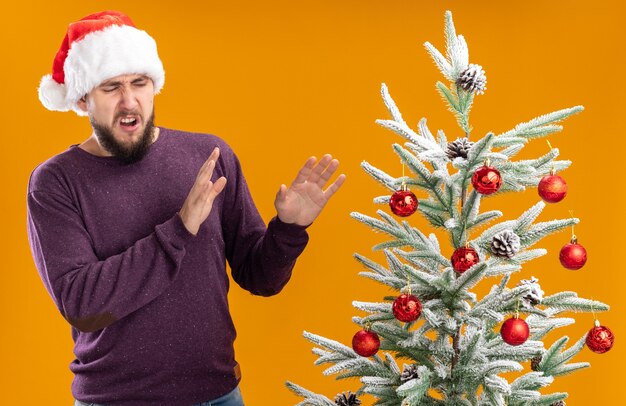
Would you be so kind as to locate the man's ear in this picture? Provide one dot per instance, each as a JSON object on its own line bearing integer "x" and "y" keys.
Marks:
{"x": 82, "y": 103}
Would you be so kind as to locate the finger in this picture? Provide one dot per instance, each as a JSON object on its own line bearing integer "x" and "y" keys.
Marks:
{"x": 213, "y": 157}
{"x": 334, "y": 186}
{"x": 204, "y": 177}
{"x": 199, "y": 189}
{"x": 205, "y": 166}
{"x": 204, "y": 185}
{"x": 319, "y": 168}
{"x": 217, "y": 188}
{"x": 328, "y": 173}
{"x": 305, "y": 171}
{"x": 211, "y": 164}
{"x": 282, "y": 192}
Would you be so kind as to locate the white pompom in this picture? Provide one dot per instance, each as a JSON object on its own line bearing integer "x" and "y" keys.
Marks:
{"x": 52, "y": 94}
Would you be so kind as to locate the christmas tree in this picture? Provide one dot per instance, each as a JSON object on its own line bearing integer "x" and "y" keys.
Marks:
{"x": 454, "y": 346}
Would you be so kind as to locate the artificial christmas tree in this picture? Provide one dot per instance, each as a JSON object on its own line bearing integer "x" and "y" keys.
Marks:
{"x": 458, "y": 346}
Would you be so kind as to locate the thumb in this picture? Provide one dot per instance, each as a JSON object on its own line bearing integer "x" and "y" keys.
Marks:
{"x": 282, "y": 192}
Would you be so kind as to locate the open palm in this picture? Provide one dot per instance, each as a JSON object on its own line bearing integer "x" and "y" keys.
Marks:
{"x": 305, "y": 198}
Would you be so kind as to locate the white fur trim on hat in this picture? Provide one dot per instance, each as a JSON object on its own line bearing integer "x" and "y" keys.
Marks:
{"x": 53, "y": 95}
{"x": 101, "y": 55}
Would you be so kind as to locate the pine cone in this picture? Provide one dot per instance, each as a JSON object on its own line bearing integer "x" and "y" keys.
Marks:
{"x": 347, "y": 399}
{"x": 559, "y": 403}
{"x": 473, "y": 79}
{"x": 536, "y": 293}
{"x": 459, "y": 148}
{"x": 505, "y": 244}
{"x": 409, "y": 372}
{"x": 534, "y": 362}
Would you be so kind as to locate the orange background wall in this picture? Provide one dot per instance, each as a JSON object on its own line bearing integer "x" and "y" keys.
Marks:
{"x": 281, "y": 80}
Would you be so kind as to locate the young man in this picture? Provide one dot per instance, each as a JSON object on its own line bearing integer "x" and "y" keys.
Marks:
{"x": 131, "y": 230}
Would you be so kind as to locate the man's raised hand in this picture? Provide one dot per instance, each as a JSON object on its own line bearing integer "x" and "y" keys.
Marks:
{"x": 199, "y": 202}
{"x": 305, "y": 198}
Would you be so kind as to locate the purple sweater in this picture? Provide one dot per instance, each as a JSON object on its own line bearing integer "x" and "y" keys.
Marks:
{"x": 147, "y": 300}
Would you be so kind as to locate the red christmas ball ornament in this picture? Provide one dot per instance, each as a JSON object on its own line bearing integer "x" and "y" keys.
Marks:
{"x": 407, "y": 308}
{"x": 600, "y": 339}
{"x": 486, "y": 180}
{"x": 573, "y": 255}
{"x": 464, "y": 258}
{"x": 403, "y": 202}
{"x": 365, "y": 343}
{"x": 552, "y": 188}
{"x": 515, "y": 331}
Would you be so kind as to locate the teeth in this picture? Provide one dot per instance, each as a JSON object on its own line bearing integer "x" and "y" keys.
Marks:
{"x": 127, "y": 120}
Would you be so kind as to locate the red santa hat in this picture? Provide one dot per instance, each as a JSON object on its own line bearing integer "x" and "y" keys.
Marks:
{"x": 96, "y": 48}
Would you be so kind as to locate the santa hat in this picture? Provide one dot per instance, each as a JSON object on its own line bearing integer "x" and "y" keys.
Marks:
{"x": 96, "y": 48}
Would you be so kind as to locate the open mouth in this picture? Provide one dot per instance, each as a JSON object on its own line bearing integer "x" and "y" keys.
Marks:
{"x": 129, "y": 123}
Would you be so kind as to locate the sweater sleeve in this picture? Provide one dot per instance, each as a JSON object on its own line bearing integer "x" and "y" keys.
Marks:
{"x": 93, "y": 293}
{"x": 261, "y": 258}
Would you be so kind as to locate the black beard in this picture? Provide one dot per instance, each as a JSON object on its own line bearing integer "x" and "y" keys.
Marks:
{"x": 127, "y": 155}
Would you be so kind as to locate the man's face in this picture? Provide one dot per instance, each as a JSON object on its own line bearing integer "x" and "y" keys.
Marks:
{"x": 121, "y": 112}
